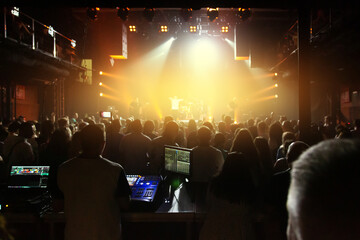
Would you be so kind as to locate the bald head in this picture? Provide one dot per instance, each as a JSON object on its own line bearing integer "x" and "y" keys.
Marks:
{"x": 324, "y": 195}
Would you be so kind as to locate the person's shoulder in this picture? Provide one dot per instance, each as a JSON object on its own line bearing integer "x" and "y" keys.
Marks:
{"x": 214, "y": 149}
{"x": 68, "y": 162}
{"x": 146, "y": 138}
{"x": 158, "y": 140}
{"x": 111, "y": 164}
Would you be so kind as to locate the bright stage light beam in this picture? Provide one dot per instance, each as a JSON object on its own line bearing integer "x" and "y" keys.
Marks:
{"x": 266, "y": 98}
{"x": 111, "y": 97}
{"x": 265, "y": 89}
{"x": 110, "y": 89}
{"x": 110, "y": 75}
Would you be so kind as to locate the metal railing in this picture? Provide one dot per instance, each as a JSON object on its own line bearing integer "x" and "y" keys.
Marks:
{"x": 20, "y": 27}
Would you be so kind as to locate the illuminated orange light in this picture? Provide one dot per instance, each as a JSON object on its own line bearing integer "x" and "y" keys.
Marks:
{"x": 97, "y": 9}
{"x": 100, "y": 83}
{"x": 117, "y": 57}
{"x": 276, "y": 96}
{"x": 101, "y": 94}
{"x": 264, "y": 76}
{"x": 276, "y": 85}
{"x": 241, "y": 58}
{"x": 111, "y": 75}
{"x": 101, "y": 73}
{"x": 275, "y": 74}
{"x": 164, "y": 28}
{"x": 132, "y": 28}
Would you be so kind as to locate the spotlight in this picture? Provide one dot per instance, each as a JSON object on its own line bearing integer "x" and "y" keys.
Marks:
{"x": 186, "y": 14}
{"x": 243, "y": 13}
{"x": 100, "y": 73}
{"x": 163, "y": 29}
{"x": 212, "y": 13}
{"x": 193, "y": 29}
{"x": 276, "y": 85}
{"x": 15, "y": 11}
{"x": 275, "y": 76}
{"x": 93, "y": 13}
{"x": 149, "y": 14}
{"x": 100, "y": 83}
{"x": 101, "y": 94}
{"x": 132, "y": 28}
{"x": 123, "y": 13}
{"x": 73, "y": 43}
{"x": 224, "y": 29}
{"x": 276, "y": 96}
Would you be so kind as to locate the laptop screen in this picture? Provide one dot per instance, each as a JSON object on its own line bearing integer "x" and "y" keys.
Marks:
{"x": 178, "y": 160}
{"x": 29, "y": 177}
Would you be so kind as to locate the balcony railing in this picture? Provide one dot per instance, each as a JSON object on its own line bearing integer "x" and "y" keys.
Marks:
{"x": 27, "y": 31}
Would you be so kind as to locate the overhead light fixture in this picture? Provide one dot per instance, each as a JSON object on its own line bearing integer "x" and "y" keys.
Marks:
{"x": 225, "y": 29}
{"x": 132, "y": 28}
{"x": 101, "y": 94}
{"x": 15, "y": 11}
{"x": 149, "y": 14}
{"x": 73, "y": 43}
{"x": 101, "y": 73}
{"x": 186, "y": 14}
{"x": 243, "y": 13}
{"x": 123, "y": 13}
{"x": 193, "y": 29}
{"x": 275, "y": 76}
{"x": 163, "y": 29}
{"x": 93, "y": 13}
{"x": 51, "y": 31}
{"x": 212, "y": 13}
{"x": 100, "y": 83}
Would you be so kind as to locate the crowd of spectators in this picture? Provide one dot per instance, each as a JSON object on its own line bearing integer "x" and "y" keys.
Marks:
{"x": 245, "y": 167}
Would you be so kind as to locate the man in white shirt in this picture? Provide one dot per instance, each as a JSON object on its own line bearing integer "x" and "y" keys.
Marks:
{"x": 207, "y": 160}
{"x": 95, "y": 189}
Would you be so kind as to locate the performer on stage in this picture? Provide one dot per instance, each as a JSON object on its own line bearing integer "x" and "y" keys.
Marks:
{"x": 175, "y": 102}
{"x": 135, "y": 108}
{"x": 233, "y": 106}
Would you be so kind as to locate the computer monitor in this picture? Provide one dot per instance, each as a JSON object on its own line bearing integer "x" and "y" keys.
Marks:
{"x": 28, "y": 177}
{"x": 178, "y": 160}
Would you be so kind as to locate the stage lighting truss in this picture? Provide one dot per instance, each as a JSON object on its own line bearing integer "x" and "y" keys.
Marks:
{"x": 244, "y": 13}
{"x": 193, "y": 29}
{"x": 186, "y": 14}
{"x": 149, "y": 14}
{"x": 225, "y": 29}
{"x": 163, "y": 28}
{"x": 132, "y": 28}
{"x": 123, "y": 13}
{"x": 93, "y": 13}
{"x": 212, "y": 13}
